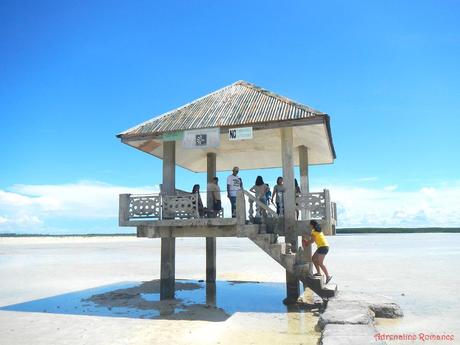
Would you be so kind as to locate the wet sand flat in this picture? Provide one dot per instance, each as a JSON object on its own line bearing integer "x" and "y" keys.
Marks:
{"x": 44, "y": 282}
{"x": 420, "y": 272}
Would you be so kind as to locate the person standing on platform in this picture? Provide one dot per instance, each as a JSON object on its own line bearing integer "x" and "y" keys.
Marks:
{"x": 214, "y": 196}
{"x": 234, "y": 184}
{"x": 298, "y": 193}
{"x": 268, "y": 195}
{"x": 278, "y": 195}
{"x": 260, "y": 190}
{"x": 196, "y": 190}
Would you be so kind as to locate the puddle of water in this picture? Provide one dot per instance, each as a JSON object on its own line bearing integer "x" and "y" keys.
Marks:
{"x": 194, "y": 300}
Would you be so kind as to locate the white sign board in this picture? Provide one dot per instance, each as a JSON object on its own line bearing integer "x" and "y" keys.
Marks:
{"x": 242, "y": 133}
{"x": 201, "y": 138}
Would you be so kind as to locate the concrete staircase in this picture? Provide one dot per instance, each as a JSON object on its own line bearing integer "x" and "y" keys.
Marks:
{"x": 295, "y": 263}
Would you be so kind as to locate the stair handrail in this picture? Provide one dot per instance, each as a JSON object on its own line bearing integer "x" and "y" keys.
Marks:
{"x": 252, "y": 199}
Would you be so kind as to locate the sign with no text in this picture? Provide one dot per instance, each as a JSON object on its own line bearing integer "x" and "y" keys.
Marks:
{"x": 243, "y": 133}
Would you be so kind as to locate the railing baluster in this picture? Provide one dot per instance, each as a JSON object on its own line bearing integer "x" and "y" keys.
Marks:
{"x": 251, "y": 210}
{"x": 261, "y": 209}
{"x": 240, "y": 207}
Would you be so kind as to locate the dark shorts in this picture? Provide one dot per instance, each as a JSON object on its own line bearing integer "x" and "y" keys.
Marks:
{"x": 322, "y": 250}
{"x": 217, "y": 205}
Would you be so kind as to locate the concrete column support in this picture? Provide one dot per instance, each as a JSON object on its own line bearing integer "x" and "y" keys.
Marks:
{"x": 210, "y": 241}
{"x": 328, "y": 224}
{"x": 305, "y": 188}
{"x": 287, "y": 146}
{"x": 303, "y": 167}
{"x": 168, "y": 245}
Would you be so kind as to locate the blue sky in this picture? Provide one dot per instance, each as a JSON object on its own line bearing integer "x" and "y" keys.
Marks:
{"x": 74, "y": 73}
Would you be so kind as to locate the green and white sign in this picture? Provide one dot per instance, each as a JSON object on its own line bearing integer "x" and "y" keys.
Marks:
{"x": 243, "y": 133}
{"x": 172, "y": 136}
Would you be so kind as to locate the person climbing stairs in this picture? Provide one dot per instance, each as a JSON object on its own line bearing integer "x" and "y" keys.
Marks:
{"x": 296, "y": 263}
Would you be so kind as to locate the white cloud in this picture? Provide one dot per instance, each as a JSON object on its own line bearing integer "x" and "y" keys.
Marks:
{"x": 390, "y": 188}
{"x": 19, "y": 221}
{"x": 389, "y": 206}
{"x": 27, "y": 208}
{"x": 52, "y": 208}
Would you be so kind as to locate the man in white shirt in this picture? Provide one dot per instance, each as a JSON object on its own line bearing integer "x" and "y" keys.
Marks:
{"x": 234, "y": 184}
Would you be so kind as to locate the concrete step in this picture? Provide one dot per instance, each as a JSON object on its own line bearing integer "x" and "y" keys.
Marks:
{"x": 330, "y": 287}
{"x": 265, "y": 242}
{"x": 296, "y": 263}
{"x": 276, "y": 249}
{"x": 318, "y": 286}
{"x": 269, "y": 238}
{"x": 303, "y": 269}
{"x": 262, "y": 229}
{"x": 302, "y": 257}
{"x": 288, "y": 261}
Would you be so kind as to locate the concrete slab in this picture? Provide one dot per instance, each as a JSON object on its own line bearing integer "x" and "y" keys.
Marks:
{"x": 351, "y": 313}
{"x": 349, "y": 330}
{"x": 350, "y": 340}
{"x": 349, "y": 334}
{"x": 381, "y": 305}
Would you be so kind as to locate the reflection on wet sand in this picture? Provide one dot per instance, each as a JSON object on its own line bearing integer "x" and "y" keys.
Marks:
{"x": 240, "y": 312}
{"x": 196, "y": 300}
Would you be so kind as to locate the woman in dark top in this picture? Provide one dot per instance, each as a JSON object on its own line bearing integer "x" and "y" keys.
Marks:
{"x": 196, "y": 190}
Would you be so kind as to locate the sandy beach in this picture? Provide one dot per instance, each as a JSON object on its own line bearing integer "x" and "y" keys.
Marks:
{"x": 62, "y": 290}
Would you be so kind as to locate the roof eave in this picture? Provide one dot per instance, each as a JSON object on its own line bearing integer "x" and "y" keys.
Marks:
{"x": 316, "y": 119}
{"x": 327, "y": 121}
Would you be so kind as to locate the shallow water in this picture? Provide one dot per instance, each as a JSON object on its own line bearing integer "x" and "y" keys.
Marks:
{"x": 142, "y": 300}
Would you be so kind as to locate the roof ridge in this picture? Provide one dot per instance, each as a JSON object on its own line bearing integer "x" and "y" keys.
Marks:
{"x": 276, "y": 96}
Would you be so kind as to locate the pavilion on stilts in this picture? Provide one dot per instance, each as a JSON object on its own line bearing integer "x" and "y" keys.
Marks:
{"x": 246, "y": 126}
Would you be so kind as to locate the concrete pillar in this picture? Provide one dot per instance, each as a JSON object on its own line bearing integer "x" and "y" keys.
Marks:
{"x": 327, "y": 228}
{"x": 211, "y": 293}
{"x": 168, "y": 244}
{"x": 240, "y": 208}
{"x": 287, "y": 143}
{"x": 123, "y": 210}
{"x": 305, "y": 188}
{"x": 210, "y": 241}
{"x": 303, "y": 167}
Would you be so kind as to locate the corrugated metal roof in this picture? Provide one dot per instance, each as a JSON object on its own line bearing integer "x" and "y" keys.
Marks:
{"x": 238, "y": 104}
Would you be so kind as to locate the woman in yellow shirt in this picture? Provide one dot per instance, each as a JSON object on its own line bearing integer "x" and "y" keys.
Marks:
{"x": 318, "y": 237}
